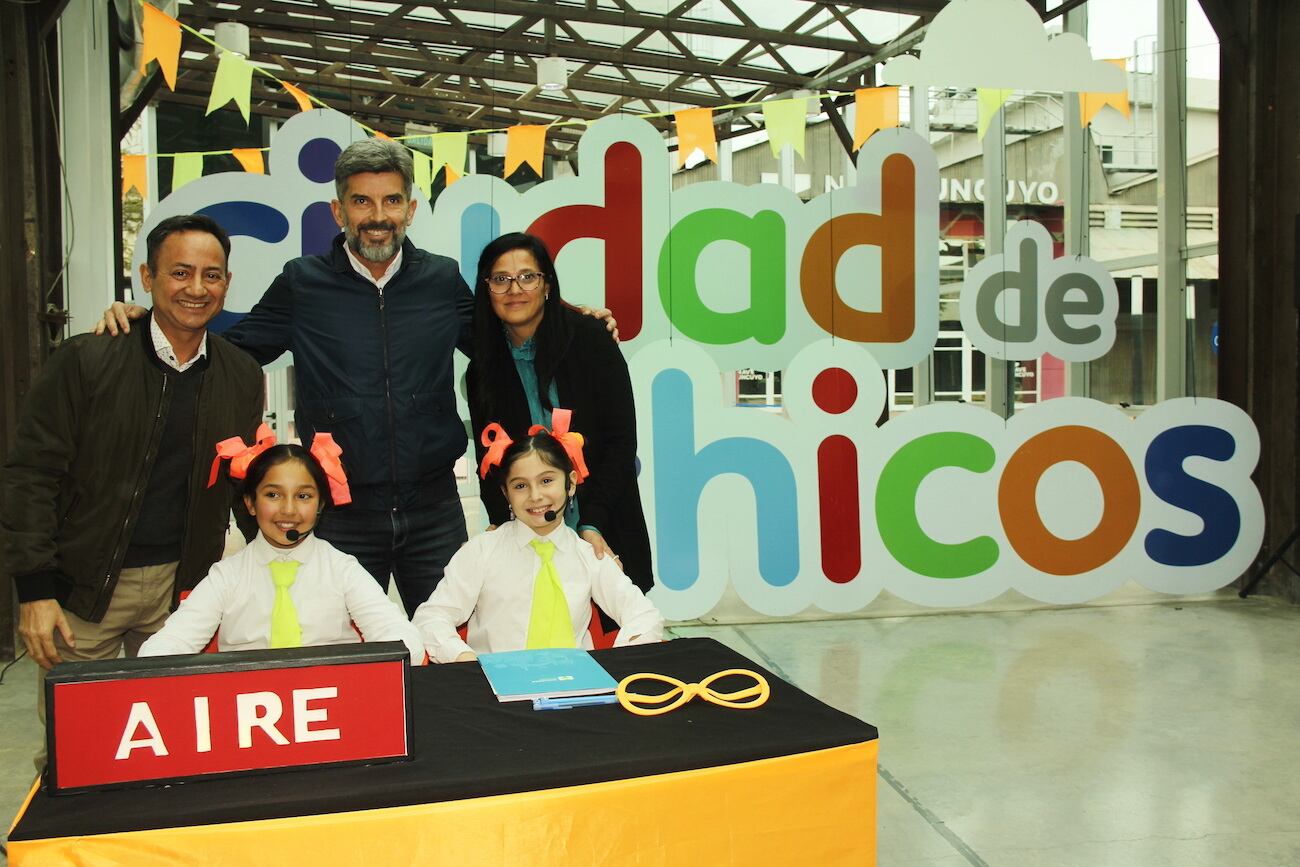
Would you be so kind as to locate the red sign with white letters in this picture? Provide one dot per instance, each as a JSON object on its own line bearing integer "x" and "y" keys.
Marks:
{"x": 136, "y": 728}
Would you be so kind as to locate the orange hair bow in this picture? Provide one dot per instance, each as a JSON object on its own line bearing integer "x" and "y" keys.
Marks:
{"x": 571, "y": 440}
{"x": 327, "y": 452}
{"x": 495, "y": 439}
{"x": 239, "y": 454}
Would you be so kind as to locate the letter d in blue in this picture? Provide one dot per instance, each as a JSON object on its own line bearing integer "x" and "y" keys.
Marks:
{"x": 681, "y": 474}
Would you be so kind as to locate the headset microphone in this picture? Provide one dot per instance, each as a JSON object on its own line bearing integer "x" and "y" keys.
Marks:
{"x": 294, "y": 535}
{"x": 548, "y": 515}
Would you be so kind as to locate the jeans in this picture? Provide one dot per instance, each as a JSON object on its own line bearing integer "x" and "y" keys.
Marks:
{"x": 411, "y": 545}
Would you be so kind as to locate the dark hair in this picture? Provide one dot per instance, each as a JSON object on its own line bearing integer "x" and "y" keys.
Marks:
{"x": 282, "y": 454}
{"x": 183, "y": 223}
{"x": 491, "y": 355}
{"x": 546, "y": 447}
{"x": 373, "y": 155}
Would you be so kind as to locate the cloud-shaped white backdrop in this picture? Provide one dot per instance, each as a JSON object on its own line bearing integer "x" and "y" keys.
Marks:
{"x": 1002, "y": 44}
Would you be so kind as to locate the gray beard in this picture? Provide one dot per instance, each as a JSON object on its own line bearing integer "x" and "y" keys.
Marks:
{"x": 381, "y": 253}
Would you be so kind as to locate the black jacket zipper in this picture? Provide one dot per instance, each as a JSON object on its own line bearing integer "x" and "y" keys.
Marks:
{"x": 388, "y": 398}
{"x": 123, "y": 539}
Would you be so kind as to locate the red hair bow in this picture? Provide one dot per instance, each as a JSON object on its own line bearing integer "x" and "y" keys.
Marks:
{"x": 571, "y": 440}
{"x": 239, "y": 454}
{"x": 327, "y": 452}
{"x": 495, "y": 439}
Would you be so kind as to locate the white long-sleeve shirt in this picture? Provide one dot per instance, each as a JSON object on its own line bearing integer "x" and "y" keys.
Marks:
{"x": 489, "y": 582}
{"x": 330, "y": 591}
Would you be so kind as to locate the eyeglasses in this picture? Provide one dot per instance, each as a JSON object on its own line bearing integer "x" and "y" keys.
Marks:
{"x": 499, "y": 284}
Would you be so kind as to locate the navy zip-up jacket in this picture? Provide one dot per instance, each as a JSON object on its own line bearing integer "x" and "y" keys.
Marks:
{"x": 373, "y": 369}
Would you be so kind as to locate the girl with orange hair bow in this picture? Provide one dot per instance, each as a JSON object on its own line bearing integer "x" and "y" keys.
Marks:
{"x": 530, "y": 583}
{"x": 288, "y": 587}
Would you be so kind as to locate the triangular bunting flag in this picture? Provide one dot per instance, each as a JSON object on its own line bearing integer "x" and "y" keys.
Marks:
{"x": 786, "y": 120}
{"x": 135, "y": 173}
{"x": 451, "y": 176}
{"x": 299, "y": 95}
{"x": 525, "y": 144}
{"x": 423, "y": 173}
{"x": 233, "y": 80}
{"x": 383, "y": 135}
{"x": 251, "y": 160}
{"x": 449, "y": 149}
{"x": 990, "y": 102}
{"x": 1091, "y": 103}
{"x": 162, "y": 42}
{"x": 186, "y": 168}
{"x": 875, "y": 108}
{"x": 695, "y": 130}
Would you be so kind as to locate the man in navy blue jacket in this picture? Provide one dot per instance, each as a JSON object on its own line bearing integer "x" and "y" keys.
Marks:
{"x": 372, "y": 326}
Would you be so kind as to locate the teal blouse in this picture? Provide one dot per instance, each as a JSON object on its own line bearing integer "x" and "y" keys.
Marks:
{"x": 524, "y": 356}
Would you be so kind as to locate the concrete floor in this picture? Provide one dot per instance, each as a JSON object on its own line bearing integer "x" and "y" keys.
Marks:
{"x": 1153, "y": 734}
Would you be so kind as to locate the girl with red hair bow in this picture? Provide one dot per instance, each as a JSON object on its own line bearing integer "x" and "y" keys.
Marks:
{"x": 288, "y": 587}
{"x": 530, "y": 583}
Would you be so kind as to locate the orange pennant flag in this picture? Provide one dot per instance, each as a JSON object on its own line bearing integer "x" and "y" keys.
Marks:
{"x": 695, "y": 130}
{"x": 525, "y": 144}
{"x": 875, "y": 108}
{"x": 383, "y": 135}
{"x": 250, "y": 159}
{"x": 162, "y": 42}
{"x": 1091, "y": 103}
{"x": 135, "y": 173}
{"x": 450, "y": 176}
{"x": 299, "y": 95}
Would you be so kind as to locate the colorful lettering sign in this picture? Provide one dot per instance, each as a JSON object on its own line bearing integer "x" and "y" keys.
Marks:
{"x": 945, "y": 505}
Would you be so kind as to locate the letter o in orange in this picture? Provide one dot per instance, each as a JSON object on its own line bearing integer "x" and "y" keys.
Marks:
{"x": 1018, "y": 507}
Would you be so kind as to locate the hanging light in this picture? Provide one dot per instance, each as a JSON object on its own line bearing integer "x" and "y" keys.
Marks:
{"x": 812, "y": 101}
{"x": 552, "y": 73}
{"x": 232, "y": 36}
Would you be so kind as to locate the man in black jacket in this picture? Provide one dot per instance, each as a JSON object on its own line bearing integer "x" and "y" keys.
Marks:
{"x": 373, "y": 325}
{"x": 107, "y": 513}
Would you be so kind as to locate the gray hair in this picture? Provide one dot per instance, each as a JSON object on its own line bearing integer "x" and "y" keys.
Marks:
{"x": 373, "y": 155}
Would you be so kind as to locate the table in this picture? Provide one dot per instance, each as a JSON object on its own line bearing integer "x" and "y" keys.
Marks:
{"x": 793, "y": 782}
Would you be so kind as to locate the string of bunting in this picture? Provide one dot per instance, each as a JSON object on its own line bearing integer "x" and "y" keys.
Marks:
{"x": 876, "y": 108}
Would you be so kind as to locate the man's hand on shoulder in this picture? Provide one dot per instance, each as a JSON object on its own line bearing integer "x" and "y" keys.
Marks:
{"x": 37, "y": 621}
{"x": 605, "y": 315}
{"x": 118, "y": 316}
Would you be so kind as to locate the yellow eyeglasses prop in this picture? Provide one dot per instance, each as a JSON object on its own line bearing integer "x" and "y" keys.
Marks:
{"x": 652, "y": 705}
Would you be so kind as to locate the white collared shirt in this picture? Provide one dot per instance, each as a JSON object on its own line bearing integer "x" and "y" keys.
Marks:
{"x": 489, "y": 582}
{"x": 359, "y": 266}
{"x": 330, "y": 592}
{"x": 167, "y": 355}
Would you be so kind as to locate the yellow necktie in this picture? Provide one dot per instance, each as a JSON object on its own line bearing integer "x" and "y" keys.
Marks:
{"x": 285, "y": 630}
{"x": 550, "y": 624}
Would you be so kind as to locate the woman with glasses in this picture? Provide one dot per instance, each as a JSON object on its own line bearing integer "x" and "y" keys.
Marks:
{"x": 532, "y": 353}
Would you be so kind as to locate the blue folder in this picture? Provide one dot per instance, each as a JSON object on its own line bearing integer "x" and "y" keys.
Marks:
{"x": 520, "y": 675}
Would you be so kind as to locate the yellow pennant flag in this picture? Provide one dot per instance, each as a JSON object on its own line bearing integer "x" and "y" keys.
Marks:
{"x": 423, "y": 173}
{"x": 525, "y": 144}
{"x": 162, "y": 42}
{"x": 449, "y": 149}
{"x": 234, "y": 80}
{"x": 451, "y": 176}
{"x": 186, "y": 168}
{"x": 786, "y": 120}
{"x": 990, "y": 103}
{"x": 299, "y": 96}
{"x": 135, "y": 173}
{"x": 875, "y": 108}
{"x": 1091, "y": 103}
{"x": 251, "y": 160}
{"x": 695, "y": 130}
